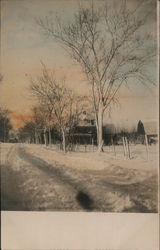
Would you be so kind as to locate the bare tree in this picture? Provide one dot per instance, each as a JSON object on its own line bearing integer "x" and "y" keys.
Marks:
{"x": 40, "y": 119}
{"x": 109, "y": 44}
{"x": 58, "y": 101}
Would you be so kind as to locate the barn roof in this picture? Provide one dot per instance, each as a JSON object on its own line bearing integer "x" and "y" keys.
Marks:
{"x": 150, "y": 127}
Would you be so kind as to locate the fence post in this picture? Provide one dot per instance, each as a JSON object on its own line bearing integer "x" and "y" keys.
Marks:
{"x": 114, "y": 149}
{"x": 92, "y": 145}
{"x": 146, "y": 140}
{"x": 124, "y": 146}
{"x": 127, "y": 143}
{"x": 76, "y": 146}
{"x": 85, "y": 147}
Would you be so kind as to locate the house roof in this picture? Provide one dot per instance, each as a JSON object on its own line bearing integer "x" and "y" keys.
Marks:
{"x": 87, "y": 115}
{"x": 150, "y": 127}
{"x": 86, "y": 118}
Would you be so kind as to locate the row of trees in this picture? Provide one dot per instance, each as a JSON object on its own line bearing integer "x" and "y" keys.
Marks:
{"x": 58, "y": 109}
{"x": 5, "y": 122}
{"x": 5, "y": 125}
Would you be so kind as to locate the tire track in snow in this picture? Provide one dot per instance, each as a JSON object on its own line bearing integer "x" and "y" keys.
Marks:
{"x": 66, "y": 187}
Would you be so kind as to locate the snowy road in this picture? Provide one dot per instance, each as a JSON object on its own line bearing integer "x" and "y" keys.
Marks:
{"x": 31, "y": 183}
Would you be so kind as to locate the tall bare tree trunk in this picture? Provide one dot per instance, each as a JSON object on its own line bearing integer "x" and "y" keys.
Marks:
{"x": 36, "y": 137}
{"x": 40, "y": 139}
{"x": 100, "y": 129}
{"x": 45, "y": 136}
{"x": 50, "y": 137}
{"x": 63, "y": 141}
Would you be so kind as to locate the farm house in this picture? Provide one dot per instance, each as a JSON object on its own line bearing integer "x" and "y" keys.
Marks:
{"x": 85, "y": 132}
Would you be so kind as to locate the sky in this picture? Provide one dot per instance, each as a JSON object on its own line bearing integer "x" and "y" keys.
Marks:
{"x": 24, "y": 45}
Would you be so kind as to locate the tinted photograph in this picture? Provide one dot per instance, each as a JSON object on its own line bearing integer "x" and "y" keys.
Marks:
{"x": 79, "y": 106}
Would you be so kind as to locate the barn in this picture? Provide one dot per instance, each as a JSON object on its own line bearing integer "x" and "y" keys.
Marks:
{"x": 150, "y": 128}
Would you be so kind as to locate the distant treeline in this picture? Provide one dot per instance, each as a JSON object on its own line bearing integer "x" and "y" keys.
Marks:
{"x": 5, "y": 125}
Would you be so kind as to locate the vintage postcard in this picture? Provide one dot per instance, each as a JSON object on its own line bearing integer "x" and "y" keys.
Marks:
{"x": 79, "y": 124}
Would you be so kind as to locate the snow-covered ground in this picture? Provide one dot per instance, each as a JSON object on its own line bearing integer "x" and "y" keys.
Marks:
{"x": 35, "y": 177}
{"x": 94, "y": 161}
